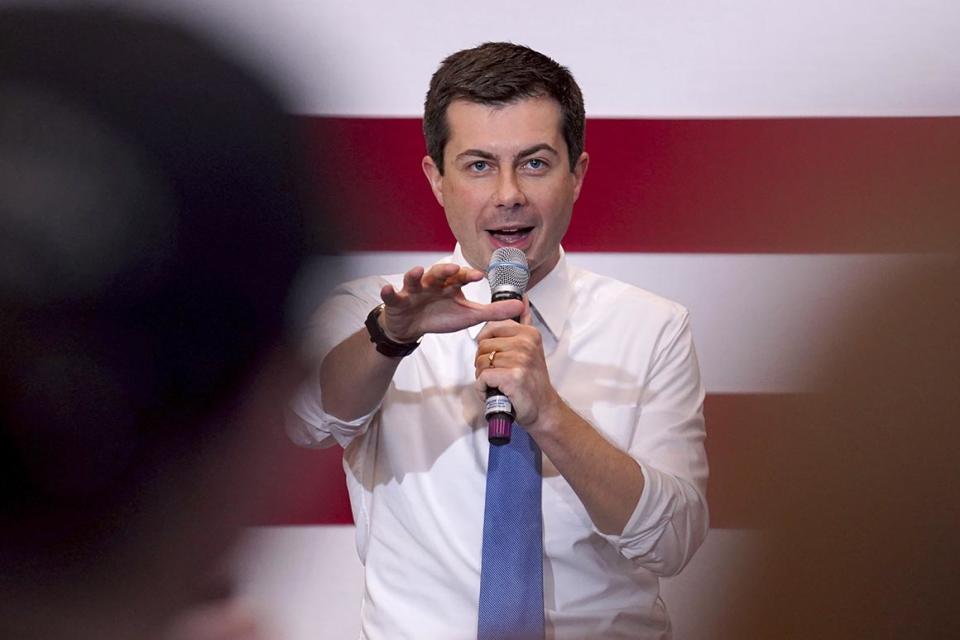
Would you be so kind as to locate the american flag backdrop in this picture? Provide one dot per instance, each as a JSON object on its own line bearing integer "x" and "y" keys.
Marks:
{"x": 761, "y": 163}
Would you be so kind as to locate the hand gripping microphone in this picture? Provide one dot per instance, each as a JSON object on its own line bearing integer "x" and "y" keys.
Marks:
{"x": 508, "y": 275}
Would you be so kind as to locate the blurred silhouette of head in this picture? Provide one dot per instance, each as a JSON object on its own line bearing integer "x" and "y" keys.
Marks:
{"x": 150, "y": 209}
{"x": 860, "y": 541}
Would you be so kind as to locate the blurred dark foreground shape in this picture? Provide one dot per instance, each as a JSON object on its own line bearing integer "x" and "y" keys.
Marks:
{"x": 150, "y": 227}
{"x": 861, "y": 542}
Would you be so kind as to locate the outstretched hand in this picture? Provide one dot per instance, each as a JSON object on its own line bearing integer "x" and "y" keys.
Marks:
{"x": 431, "y": 301}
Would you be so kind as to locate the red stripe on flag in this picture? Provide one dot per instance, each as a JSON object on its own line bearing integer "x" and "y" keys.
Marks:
{"x": 314, "y": 488}
{"x": 844, "y": 185}
{"x": 749, "y": 438}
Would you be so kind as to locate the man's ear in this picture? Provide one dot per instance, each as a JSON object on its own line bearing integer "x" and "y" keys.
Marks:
{"x": 434, "y": 177}
{"x": 579, "y": 172}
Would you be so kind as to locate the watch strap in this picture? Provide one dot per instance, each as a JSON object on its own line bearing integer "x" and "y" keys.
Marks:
{"x": 385, "y": 345}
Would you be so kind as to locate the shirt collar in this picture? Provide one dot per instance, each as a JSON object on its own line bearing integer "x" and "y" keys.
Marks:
{"x": 550, "y": 297}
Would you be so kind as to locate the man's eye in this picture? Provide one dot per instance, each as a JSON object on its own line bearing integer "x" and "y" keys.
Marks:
{"x": 479, "y": 165}
{"x": 536, "y": 163}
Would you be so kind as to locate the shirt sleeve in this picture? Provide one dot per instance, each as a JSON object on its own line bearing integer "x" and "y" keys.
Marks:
{"x": 671, "y": 518}
{"x": 339, "y": 317}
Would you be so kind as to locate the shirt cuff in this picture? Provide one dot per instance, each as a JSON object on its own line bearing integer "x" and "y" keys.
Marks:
{"x": 667, "y": 526}
{"x": 308, "y": 425}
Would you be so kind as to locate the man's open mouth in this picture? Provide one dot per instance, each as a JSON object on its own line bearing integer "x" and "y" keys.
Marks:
{"x": 510, "y": 235}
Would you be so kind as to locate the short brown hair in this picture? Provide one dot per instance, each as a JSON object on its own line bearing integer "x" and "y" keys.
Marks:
{"x": 498, "y": 73}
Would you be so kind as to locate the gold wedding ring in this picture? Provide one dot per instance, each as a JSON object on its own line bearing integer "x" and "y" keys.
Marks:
{"x": 491, "y": 356}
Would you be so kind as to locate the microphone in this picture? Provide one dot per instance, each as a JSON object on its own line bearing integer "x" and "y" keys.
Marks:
{"x": 508, "y": 275}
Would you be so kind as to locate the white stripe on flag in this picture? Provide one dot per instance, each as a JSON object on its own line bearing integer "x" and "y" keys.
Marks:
{"x": 761, "y": 322}
{"x": 685, "y": 58}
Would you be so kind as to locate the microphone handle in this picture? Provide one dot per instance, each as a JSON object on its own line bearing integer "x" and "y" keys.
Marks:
{"x": 499, "y": 410}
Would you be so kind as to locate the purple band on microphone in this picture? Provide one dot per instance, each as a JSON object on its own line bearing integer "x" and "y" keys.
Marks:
{"x": 499, "y": 428}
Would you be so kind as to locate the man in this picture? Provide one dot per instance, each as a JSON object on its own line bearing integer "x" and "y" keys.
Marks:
{"x": 603, "y": 378}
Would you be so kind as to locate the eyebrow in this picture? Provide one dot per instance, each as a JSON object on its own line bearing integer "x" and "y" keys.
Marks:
{"x": 543, "y": 146}
{"x": 486, "y": 155}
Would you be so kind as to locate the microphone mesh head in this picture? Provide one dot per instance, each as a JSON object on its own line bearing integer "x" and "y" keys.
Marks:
{"x": 508, "y": 271}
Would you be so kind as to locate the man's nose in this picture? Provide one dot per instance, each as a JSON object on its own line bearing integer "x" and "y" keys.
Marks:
{"x": 509, "y": 191}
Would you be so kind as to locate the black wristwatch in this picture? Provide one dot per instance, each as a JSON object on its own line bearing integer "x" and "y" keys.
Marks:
{"x": 385, "y": 345}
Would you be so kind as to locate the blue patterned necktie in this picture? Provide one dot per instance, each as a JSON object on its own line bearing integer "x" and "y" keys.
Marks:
{"x": 511, "y": 574}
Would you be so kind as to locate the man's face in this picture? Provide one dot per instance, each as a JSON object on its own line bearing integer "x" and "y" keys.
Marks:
{"x": 507, "y": 180}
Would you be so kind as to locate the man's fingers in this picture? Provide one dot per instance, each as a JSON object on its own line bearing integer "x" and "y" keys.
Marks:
{"x": 500, "y": 360}
{"x": 499, "y": 329}
{"x": 439, "y": 274}
{"x": 492, "y": 312}
{"x": 412, "y": 280}
{"x": 447, "y": 275}
{"x": 389, "y": 295}
{"x": 490, "y": 355}
{"x": 472, "y": 275}
{"x": 462, "y": 277}
{"x": 504, "y": 310}
{"x": 411, "y": 284}
{"x": 526, "y": 317}
{"x": 502, "y": 344}
{"x": 503, "y": 379}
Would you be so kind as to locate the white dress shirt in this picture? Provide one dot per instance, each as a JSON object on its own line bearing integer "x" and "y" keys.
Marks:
{"x": 623, "y": 359}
